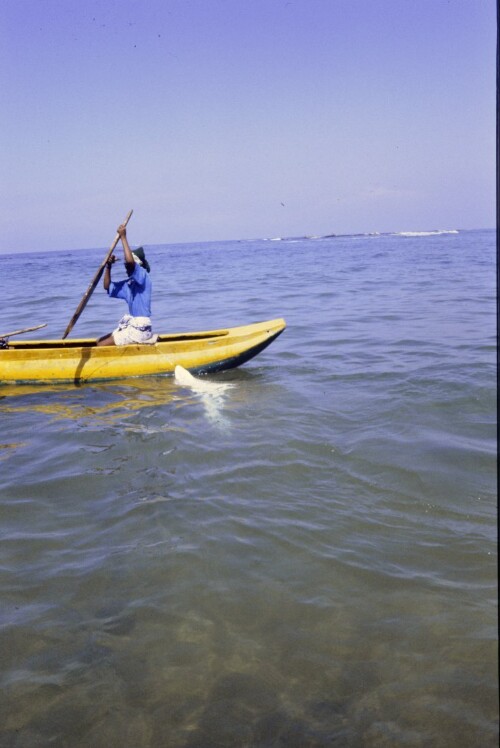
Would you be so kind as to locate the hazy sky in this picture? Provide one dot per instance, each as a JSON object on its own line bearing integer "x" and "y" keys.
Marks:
{"x": 227, "y": 119}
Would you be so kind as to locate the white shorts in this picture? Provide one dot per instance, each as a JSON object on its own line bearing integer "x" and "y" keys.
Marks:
{"x": 133, "y": 330}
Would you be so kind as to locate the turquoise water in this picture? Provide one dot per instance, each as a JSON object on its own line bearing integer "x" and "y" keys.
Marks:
{"x": 306, "y": 558}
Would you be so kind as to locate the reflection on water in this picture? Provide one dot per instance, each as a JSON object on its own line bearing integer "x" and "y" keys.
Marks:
{"x": 108, "y": 402}
{"x": 103, "y": 401}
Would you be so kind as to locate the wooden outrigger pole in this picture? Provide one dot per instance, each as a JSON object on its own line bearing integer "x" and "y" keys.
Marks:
{"x": 8, "y": 335}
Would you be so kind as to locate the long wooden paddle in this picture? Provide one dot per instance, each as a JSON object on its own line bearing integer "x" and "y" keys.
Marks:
{"x": 88, "y": 293}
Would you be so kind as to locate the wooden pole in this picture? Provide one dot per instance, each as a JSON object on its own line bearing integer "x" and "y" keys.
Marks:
{"x": 19, "y": 332}
{"x": 88, "y": 293}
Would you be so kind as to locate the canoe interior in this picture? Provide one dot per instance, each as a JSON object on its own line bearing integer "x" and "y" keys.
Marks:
{"x": 91, "y": 343}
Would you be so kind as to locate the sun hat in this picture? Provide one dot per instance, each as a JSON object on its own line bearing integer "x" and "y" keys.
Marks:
{"x": 140, "y": 258}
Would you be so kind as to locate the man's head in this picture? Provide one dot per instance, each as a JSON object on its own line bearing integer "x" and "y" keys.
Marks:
{"x": 139, "y": 256}
{"x": 139, "y": 259}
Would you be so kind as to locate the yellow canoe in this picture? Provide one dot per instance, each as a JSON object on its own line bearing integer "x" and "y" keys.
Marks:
{"x": 81, "y": 360}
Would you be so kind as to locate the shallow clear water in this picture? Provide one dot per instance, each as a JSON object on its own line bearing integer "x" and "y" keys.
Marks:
{"x": 306, "y": 558}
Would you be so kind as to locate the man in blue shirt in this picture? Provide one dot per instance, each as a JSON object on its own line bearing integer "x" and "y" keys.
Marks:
{"x": 134, "y": 327}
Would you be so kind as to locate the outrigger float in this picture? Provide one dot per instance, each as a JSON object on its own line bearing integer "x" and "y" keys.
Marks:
{"x": 81, "y": 360}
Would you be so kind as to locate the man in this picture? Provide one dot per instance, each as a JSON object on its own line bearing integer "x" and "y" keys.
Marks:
{"x": 134, "y": 327}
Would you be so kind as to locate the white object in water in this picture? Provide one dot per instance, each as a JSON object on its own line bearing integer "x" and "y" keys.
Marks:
{"x": 211, "y": 394}
{"x": 185, "y": 378}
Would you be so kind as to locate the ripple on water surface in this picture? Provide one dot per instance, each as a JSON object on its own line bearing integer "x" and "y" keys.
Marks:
{"x": 308, "y": 558}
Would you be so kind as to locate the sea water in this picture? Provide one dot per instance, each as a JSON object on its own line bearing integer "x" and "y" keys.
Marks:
{"x": 305, "y": 558}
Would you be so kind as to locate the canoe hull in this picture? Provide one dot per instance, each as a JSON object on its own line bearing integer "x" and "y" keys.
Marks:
{"x": 81, "y": 360}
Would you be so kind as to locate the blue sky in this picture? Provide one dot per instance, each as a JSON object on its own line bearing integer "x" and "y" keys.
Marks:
{"x": 228, "y": 119}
